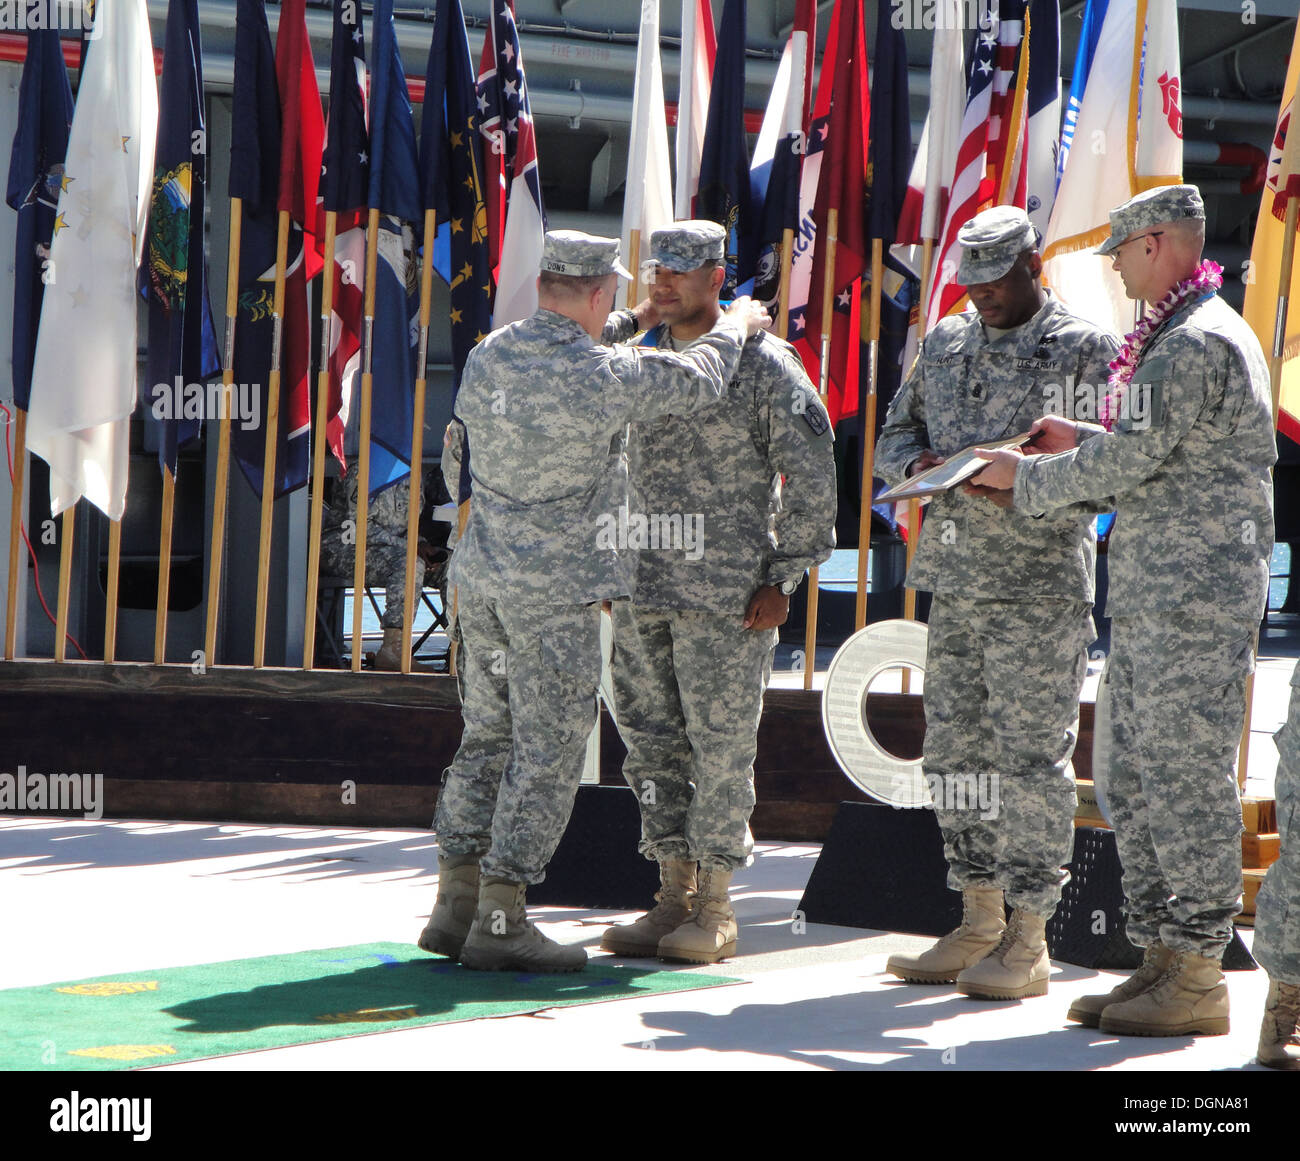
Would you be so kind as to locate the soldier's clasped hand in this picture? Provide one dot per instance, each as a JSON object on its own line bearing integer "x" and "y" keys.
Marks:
{"x": 647, "y": 314}
{"x": 753, "y": 314}
{"x": 768, "y": 609}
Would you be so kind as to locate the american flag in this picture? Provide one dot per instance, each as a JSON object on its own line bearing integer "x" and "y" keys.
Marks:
{"x": 509, "y": 153}
{"x": 989, "y": 142}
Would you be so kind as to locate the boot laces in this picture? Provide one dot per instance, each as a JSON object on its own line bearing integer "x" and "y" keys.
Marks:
{"x": 1168, "y": 978}
{"x": 1286, "y": 1014}
{"x": 1171, "y": 972}
{"x": 1010, "y": 935}
{"x": 1148, "y": 974}
{"x": 968, "y": 910}
{"x": 666, "y": 901}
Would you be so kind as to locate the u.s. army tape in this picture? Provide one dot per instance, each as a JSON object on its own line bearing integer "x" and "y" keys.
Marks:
{"x": 860, "y": 660}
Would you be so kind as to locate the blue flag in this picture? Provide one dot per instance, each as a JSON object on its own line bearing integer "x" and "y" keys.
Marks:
{"x": 395, "y": 192}
{"x": 394, "y": 180}
{"x": 395, "y": 335}
{"x": 724, "y": 194}
{"x": 889, "y": 154}
{"x": 451, "y": 180}
{"x": 345, "y": 167}
{"x": 173, "y": 276}
{"x": 451, "y": 184}
{"x": 255, "y": 179}
{"x": 35, "y": 179}
{"x": 1094, "y": 16}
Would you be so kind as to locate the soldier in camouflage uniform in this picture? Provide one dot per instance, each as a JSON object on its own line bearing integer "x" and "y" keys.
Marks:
{"x": 737, "y": 504}
{"x": 1011, "y": 618}
{"x": 539, "y": 406}
{"x": 1277, "y": 909}
{"x": 385, "y": 554}
{"x": 1187, "y": 462}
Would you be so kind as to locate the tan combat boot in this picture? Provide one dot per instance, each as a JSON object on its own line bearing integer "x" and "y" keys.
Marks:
{"x": 983, "y": 920}
{"x": 672, "y": 908}
{"x": 1279, "y": 1035}
{"x": 389, "y": 657}
{"x": 1017, "y": 967}
{"x": 1088, "y": 1009}
{"x": 710, "y": 934}
{"x": 1189, "y": 999}
{"x": 502, "y": 940}
{"x": 454, "y": 908}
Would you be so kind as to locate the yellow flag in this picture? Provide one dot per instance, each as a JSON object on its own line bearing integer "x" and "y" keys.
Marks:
{"x": 1265, "y": 294}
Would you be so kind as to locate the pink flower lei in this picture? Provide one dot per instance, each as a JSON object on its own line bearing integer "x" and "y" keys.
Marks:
{"x": 1207, "y": 278}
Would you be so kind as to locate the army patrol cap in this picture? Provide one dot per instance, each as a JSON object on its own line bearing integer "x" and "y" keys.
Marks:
{"x": 1165, "y": 203}
{"x": 686, "y": 246}
{"x": 991, "y": 242}
{"x": 578, "y": 255}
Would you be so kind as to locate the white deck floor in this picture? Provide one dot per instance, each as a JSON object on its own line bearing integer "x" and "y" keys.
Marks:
{"x": 80, "y": 899}
{"x": 149, "y": 895}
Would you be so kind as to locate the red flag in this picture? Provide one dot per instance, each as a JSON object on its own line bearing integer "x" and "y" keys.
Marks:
{"x": 842, "y": 187}
{"x": 302, "y": 141}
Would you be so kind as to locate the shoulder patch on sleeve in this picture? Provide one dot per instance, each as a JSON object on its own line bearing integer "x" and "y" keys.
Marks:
{"x": 814, "y": 414}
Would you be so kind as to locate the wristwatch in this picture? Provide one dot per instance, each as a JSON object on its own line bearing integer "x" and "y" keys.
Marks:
{"x": 788, "y": 587}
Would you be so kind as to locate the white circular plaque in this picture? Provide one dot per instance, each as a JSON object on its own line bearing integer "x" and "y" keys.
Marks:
{"x": 859, "y": 661}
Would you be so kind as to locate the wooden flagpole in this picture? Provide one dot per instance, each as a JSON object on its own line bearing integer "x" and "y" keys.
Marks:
{"x": 223, "y": 444}
{"x": 869, "y": 434}
{"x": 417, "y": 434}
{"x": 15, "y": 531}
{"x": 164, "y": 567}
{"x": 914, "y": 506}
{"x": 823, "y": 386}
{"x": 272, "y": 435}
{"x": 783, "y": 295}
{"x": 65, "y": 585}
{"x": 318, "y": 452}
{"x": 1275, "y": 373}
{"x": 363, "y": 455}
{"x": 114, "y": 567}
{"x": 634, "y": 266}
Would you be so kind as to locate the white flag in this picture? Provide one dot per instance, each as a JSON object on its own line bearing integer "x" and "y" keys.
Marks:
{"x": 693, "y": 88}
{"x": 647, "y": 195}
{"x": 782, "y": 129}
{"x": 84, "y": 375}
{"x": 1128, "y": 138}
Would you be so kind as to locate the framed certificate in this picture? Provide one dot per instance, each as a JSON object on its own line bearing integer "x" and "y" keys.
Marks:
{"x": 956, "y": 469}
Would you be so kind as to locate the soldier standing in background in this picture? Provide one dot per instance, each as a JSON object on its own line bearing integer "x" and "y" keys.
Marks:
{"x": 385, "y": 554}
{"x": 1011, "y": 618}
{"x": 740, "y": 500}
{"x": 1185, "y": 447}
{"x": 540, "y": 403}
